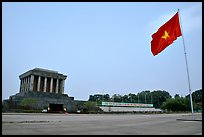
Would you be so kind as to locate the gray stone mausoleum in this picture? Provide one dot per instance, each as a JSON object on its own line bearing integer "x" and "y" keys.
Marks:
{"x": 46, "y": 88}
{"x": 42, "y": 80}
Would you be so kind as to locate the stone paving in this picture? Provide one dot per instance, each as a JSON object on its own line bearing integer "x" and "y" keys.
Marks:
{"x": 101, "y": 124}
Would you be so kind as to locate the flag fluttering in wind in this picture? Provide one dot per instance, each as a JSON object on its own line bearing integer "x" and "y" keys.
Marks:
{"x": 166, "y": 35}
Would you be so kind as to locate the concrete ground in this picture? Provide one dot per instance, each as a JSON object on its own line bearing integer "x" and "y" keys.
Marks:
{"x": 101, "y": 124}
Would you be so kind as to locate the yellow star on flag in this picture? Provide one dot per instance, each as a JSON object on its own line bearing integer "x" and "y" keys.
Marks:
{"x": 166, "y": 35}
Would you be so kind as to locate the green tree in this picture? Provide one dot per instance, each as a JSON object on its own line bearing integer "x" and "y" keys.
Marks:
{"x": 106, "y": 97}
{"x": 28, "y": 103}
{"x": 90, "y": 106}
{"x": 159, "y": 97}
{"x": 176, "y": 96}
{"x": 125, "y": 99}
{"x": 176, "y": 104}
{"x": 132, "y": 97}
{"x": 197, "y": 99}
{"x": 11, "y": 103}
{"x": 91, "y": 98}
{"x": 99, "y": 97}
{"x": 116, "y": 98}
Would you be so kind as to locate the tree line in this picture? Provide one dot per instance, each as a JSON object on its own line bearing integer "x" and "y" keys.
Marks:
{"x": 159, "y": 98}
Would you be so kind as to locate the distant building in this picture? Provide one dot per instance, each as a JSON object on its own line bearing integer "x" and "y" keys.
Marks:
{"x": 128, "y": 107}
{"x": 42, "y": 80}
{"x": 46, "y": 88}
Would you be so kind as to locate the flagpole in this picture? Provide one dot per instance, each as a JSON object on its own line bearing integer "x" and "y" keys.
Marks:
{"x": 189, "y": 85}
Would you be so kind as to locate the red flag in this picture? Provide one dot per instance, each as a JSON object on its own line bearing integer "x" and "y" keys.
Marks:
{"x": 165, "y": 35}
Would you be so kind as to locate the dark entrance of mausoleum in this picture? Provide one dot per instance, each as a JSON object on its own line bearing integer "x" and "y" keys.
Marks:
{"x": 55, "y": 108}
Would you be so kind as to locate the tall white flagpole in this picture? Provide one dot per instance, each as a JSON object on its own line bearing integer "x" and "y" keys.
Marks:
{"x": 189, "y": 85}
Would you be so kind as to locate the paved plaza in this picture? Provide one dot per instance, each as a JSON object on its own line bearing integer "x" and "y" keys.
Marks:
{"x": 101, "y": 124}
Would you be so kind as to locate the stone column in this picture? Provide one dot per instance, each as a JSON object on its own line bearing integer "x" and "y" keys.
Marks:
{"x": 51, "y": 85}
{"x": 21, "y": 85}
{"x": 45, "y": 84}
{"x": 39, "y": 79}
{"x": 31, "y": 83}
{"x": 26, "y": 83}
{"x": 57, "y": 86}
{"x": 62, "y": 87}
{"x": 24, "y": 87}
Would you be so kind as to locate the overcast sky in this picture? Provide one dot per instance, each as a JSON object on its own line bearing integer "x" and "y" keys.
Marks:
{"x": 102, "y": 47}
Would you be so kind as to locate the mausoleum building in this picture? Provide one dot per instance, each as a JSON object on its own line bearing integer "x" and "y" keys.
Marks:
{"x": 42, "y": 80}
{"x": 45, "y": 88}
